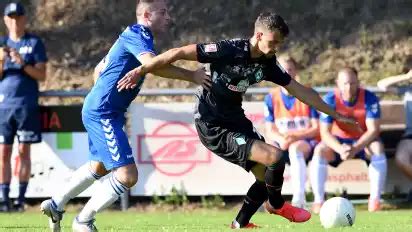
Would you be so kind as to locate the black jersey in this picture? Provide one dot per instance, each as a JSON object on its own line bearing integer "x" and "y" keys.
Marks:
{"x": 232, "y": 70}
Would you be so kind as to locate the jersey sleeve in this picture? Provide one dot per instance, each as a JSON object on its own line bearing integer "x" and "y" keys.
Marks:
{"x": 268, "y": 109}
{"x": 314, "y": 114}
{"x": 277, "y": 74}
{"x": 225, "y": 50}
{"x": 138, "y": 41}
{"x": 330, "y": 100}
{"x": 39, "y": 52}
{"x": 373, "y": 109}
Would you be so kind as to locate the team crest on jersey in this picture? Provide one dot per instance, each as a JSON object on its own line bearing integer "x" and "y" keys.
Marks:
{"x": 145, "y": 33}
{"x": 259, "y": 75}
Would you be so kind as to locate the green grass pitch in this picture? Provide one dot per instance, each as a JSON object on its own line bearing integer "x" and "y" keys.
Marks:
{"x": 207, "y": 220}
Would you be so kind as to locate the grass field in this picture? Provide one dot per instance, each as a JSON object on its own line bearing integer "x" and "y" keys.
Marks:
{"x": 207, "y": 220}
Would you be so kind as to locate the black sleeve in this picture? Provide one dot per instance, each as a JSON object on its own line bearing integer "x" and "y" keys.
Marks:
{"x": 276, "y": 74}
{"x": 225, "y": 50}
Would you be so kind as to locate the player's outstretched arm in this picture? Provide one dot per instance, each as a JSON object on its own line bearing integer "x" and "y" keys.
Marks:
{"x": 310, "y": 97}
{"x": 389, "y": 82}
{"x": 160, "y": 65}
{"x": 183, "y": 53}
{"x": 328, "y": 138}
{"x": 371, "y": 133}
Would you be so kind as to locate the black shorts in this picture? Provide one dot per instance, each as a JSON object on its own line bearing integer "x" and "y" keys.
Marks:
{"x": 231, "y": 142}
{"x": 23, "y": 122}
{"x": 406, "y": 136}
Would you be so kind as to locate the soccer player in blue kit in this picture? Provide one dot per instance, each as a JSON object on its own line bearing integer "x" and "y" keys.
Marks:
{"x": 22, "y": 65}
{"x": 103, "y": 117}
{"x": 220, "y": 120}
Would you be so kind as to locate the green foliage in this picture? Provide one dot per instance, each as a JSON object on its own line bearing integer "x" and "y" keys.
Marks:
{"x": 214, "y": 201}
{"x": 176, "y": 197}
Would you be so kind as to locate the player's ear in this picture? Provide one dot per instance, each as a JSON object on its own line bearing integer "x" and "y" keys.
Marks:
{"x": 258, "y": 35}
{"x": 146, "y": 14}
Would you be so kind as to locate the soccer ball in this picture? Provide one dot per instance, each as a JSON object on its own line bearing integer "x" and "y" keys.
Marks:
{"x": 337, "y": 212}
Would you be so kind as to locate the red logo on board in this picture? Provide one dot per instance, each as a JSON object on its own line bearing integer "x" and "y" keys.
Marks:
{"x": 173, "y": 149}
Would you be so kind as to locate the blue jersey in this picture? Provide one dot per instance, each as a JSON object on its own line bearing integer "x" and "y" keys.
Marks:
{"x": 289, "y": 101}
{"x": 104, "y": 99}
{"x": 18, "y": 89}
{"x": 372, "y": 106}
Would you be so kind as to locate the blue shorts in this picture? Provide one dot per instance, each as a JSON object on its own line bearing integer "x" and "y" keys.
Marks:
{"x": 108, "y": 142}
{"x": 359, "y": 155}
{"x": 23, "y": 122}
{"x": 312, "y": 143}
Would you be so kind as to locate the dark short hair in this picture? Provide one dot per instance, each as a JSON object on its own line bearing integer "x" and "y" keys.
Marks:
{"x": 272, "y": 21}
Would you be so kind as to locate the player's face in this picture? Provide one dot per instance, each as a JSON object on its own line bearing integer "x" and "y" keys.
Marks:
{"x": 348, "y": 85}
{"x": 289, "y": 67}
{"x": 269, "y": 41}
{"x": 159, "y": 17}
{"x": 15, "y": 23}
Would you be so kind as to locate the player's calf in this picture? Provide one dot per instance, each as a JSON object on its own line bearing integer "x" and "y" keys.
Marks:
{"x": 110, "y": 190}
{"x": 127, "y": 175}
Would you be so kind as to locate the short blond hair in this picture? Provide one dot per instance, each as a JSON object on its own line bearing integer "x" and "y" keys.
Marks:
{"x": 143, "y": 5}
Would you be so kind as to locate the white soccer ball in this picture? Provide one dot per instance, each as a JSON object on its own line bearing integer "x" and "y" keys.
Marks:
{"x": 337, "y": 212}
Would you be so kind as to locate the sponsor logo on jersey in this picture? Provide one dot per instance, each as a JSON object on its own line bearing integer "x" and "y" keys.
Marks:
{"x": 211, "y": 48}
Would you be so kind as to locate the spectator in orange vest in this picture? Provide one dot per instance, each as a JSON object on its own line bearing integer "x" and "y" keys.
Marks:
{"x": 293, "y": 126}
{"x": 341, "y": 142}
{"x": 401, "y": 85}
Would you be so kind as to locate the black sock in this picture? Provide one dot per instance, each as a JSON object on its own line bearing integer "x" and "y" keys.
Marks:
{"x": 5, "y": 190}
{"x": 22, "y": 193}
{"x": 255, "y": 197}
{"x": 274, "y": 182}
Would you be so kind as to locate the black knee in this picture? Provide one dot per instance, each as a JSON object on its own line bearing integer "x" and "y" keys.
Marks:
{"x": 274, "y": 173}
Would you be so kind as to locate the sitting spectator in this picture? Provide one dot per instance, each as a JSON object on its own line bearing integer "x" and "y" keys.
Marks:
{"x": 341, "y": 142}
{"x": 23, "y": 64}
{"x": 404, "y": 150}
{"x": 293, "y": 126}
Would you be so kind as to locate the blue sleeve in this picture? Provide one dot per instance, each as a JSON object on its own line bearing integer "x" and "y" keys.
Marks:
{"x": 330, "y": 100}
{"x": 373, "y": 109}
{"x": 138, "y": 41}
{"x": 39, "y": 52}
{"x": 268, "y": 107}
{"x": 314, "y": 114}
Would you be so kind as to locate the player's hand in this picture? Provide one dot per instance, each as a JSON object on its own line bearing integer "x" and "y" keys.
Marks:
{"x": 283, "y": 144}
{"x": 202, "y": 79}
{"x": 409, "y": 74}
{"x": 129, "y": 81}
{"x": 348, "y": 152}
{"x": 345, "y": 151}
{"x": 16, "y": 57}
{"x": 4, "y": 52}
{"x": 290, "y": 138}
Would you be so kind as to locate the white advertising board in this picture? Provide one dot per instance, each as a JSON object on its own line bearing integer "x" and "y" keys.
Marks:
{"x": 169, "y": 154}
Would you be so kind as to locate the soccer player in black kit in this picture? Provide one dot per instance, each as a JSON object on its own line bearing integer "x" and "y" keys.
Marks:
{"x": 220, "y": 120}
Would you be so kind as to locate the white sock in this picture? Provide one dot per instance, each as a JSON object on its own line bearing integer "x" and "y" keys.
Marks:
{"x": 377, "y": 175}
{"x": 319, "y": 173}
{"x": 298, "y": 175}
{"x": 81, "y": 179}
{"x": 109, "y": 191}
